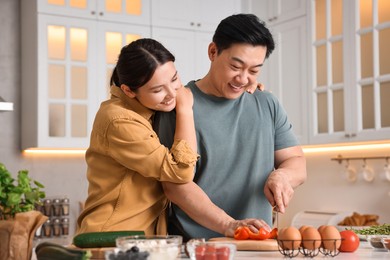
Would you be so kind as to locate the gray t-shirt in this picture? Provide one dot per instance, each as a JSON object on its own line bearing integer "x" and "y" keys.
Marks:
{"x": 236, "y": 142}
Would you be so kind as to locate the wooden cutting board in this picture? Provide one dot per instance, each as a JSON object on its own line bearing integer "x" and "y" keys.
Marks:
{"x": 250, "y": 245}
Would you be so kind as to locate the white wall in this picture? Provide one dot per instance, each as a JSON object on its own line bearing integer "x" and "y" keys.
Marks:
{"x": 327, "y": 189}
{"x": 62, "y": 175}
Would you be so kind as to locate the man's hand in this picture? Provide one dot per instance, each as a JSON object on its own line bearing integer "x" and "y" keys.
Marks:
{"x": 252, "y": 223}
{"x": 278, "y": 190}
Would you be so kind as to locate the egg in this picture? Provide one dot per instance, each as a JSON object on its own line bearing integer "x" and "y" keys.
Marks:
{"x": 321, "y": 228}
{"x": 290, "y": 238}
{"x": 302, "y": 228}
{"x": 331, "y": 238}
{"x": 311, "y": 238}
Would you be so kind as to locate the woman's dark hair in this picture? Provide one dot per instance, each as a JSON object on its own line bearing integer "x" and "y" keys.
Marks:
{"x": 138, "y": 61}
{"x": 243, "y": 28}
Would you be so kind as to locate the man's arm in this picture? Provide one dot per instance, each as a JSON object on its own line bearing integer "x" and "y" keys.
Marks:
{"x": 289, "y": 173}
{"x": 198, "y": 206}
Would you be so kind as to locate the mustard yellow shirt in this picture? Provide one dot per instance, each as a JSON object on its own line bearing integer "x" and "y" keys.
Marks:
{"x": 126, "y": 163}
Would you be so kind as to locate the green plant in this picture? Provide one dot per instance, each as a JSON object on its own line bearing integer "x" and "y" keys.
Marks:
{"x": 18, "y": 198}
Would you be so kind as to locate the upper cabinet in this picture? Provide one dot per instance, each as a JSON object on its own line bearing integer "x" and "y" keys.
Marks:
{"x": 186, "y": 28}
{"x": 67, "y": 62}
{"x": 127, "y": 11}
{"x": 278, "y": 11}
{"x": 200, "y": 15}
{"x": 350, "y": 76}
{"x": 285, "y": 72}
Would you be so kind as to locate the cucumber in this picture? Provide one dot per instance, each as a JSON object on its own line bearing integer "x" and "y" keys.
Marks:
{"x": 101, "y": 239}
{"x": 50, "y": 244}
{"x": 58, "y": 252}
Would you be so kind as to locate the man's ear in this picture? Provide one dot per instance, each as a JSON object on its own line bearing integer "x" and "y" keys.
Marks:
{"x": 212, "y": 51}
{"x": 128, "y": 92}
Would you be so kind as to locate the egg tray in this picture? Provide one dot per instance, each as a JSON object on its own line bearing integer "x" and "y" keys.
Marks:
{"x": 295, "y": 249}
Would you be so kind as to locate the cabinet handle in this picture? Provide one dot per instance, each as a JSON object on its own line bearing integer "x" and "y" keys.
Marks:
{"x": 350, "y": 135}
{"x": 198, "y": 24}
{"x": 192, "y": 23}
{"x": 93, "y": 12}
{"x": 101, "y": 13}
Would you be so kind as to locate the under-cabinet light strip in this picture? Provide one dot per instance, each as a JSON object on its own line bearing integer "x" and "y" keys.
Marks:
{"x": 306, "y": 149}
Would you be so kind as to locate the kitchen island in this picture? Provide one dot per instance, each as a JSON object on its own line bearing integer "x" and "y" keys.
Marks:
{"x": 365, "y": 251}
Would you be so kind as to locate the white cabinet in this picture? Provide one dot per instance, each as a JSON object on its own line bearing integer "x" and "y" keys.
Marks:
{"x": 66, "y": 65}
{"x": 189, "y": 49}
{"x": 128, "y": 11}
{"x": 186, "y": 28}
{"x": 285, "y": 73}
{"x": 278, "y": 11}
{"x": 203, "y": 15}
{"x": 350, "y": 77}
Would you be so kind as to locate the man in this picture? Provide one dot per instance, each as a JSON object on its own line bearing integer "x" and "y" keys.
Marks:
{"x": 250, "y": 161}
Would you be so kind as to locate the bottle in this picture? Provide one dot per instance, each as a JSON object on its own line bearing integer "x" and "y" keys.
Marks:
{"x": 65, "y": 226}
{"x": 56, "y": 207}
{"x": 65, "y": 207}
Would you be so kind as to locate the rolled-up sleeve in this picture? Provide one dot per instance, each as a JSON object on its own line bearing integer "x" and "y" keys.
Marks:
{"x": 135, "y": 145}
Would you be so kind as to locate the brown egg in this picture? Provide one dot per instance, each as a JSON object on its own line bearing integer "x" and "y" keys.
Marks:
{"x": 321, "y": 228}
{"x": 302, "y": 228}
{"x": 290, "y": 238}
{"x": 311, "y": 238}
{"x": 331, "y": 238}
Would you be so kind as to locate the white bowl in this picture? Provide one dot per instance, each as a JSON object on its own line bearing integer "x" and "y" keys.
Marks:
{"x": 158, "y": 247}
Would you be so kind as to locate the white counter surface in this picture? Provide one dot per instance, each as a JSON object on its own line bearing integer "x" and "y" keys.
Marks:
{"x": 364, "y": 252}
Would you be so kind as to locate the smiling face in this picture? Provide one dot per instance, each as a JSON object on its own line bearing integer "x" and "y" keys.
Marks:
{"x": 159, "y": 93}
{"x": 234, "y": 70}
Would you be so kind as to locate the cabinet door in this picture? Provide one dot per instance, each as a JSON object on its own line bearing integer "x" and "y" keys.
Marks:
{"x": 278, "y": 11}
{"x": 111, "y": 38}
{"x": 199, "y": 15}
{"x": 179, "y": 14}
{"x": 286, "y": 73}
{"x": 189, "y": 49}
{"x": 210, "y": 13}
{"x": 350, "y": 81}
{"x": 182, "y": 45}
{"x": 126, "y": 11}
{"x": 57, "y": 96}
{"x": 74, "y": 8}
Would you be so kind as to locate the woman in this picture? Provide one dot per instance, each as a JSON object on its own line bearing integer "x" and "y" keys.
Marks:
{"x": 126, "y": 161}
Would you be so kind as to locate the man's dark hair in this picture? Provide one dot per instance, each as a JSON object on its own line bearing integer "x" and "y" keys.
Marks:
{"x": 243, "y": 28}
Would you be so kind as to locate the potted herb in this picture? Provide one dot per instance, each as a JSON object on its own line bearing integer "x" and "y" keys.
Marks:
{"x": 18, "y": 218}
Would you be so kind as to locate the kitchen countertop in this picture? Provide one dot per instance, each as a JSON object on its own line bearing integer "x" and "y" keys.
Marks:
{"x": 365, "y": 251}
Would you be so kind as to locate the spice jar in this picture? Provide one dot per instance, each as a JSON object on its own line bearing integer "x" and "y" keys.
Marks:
{"x": 47, "y": 228}
{"x": 47, "y": 207}
{"x": 65, "y": 226}
{"x": 65, "y": 207}
{"x": 56, "y": 207}
{"x": 56, "y": 227}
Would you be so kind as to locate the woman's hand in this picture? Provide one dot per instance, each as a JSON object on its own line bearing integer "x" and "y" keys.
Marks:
{"x": 184, "y": 100}
{"x": 253, "y": 88}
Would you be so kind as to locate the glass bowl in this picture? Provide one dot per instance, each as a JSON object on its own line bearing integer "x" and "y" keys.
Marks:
{"x": 386, "y": 242}
{"x": 375, "y": 241}
{"x": 198, "y": 249}
{"x": 158, "y": 247}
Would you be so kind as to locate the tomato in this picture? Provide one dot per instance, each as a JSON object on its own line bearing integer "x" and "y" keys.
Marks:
{"x": 223, "y": 253}
{"x": 210, "y": 253}
{"x": 200, "y": 252}
{"x": 349, "y": 241}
